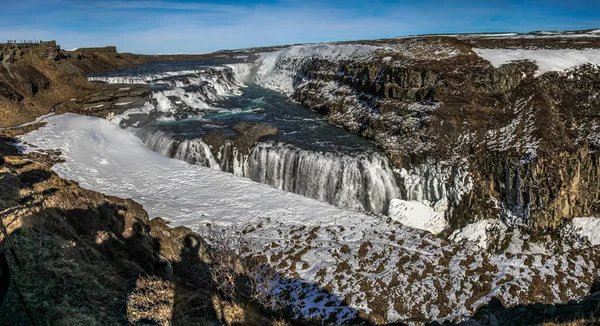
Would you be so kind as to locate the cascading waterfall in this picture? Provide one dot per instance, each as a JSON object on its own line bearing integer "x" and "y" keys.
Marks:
{"x": 364, "y": 182}
{"x": 193, "y": 151}
{"x": 190, "y": 92}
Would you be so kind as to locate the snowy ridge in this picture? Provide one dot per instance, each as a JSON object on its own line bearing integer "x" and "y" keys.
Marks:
{"x": 546, "y": 59}
{"x": 535, "y": 35}
{"x": 277, "y": 70}
{"x": 410, "y": 275}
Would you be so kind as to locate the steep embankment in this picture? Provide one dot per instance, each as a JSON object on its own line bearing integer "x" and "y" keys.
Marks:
{"x": 90, "y": 60}
{"x": 515, "y": 139}
{"x": 34, "y": 78}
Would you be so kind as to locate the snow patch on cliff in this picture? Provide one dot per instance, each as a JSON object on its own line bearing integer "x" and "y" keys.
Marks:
{"x": 417, "y": 215}
{"x": 277, "y": 70}
{"x": 587, "y": 228}
{"x": 546, "y": 59}
{"x": 480, "y": 232}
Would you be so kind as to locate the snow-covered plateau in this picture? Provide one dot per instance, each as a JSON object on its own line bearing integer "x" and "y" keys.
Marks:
{"x": 546, "y": 59}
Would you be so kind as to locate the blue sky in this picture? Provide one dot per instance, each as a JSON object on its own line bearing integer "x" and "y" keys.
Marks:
{"x": 185, "y": 26}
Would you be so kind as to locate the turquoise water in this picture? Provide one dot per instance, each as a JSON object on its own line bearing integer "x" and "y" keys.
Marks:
{"x": 297, "y": 125}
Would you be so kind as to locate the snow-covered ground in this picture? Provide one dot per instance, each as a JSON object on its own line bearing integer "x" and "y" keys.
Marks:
{"x": 537, "y": 35}
{"x": 587, "y": 228}
{"x": 546, "y": 59}
{"x": 102, "y": 156}
{"x": 376, "y": 265}
{"x": 417, "y": 215}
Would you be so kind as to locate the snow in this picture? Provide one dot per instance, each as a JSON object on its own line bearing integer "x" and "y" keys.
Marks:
{"x": 417, "y": 215}
{"x": 315, "y": 245}
{"x": 535, "y": 35}
{"x": 547, "y": 60}
{"x": 588, "y": 227}
{"x": 479, "y": 232}
{"x": 276, "y": 70}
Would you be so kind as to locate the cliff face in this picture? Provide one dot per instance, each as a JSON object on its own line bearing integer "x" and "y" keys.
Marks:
{"x": 36, "y": 79}
{"x": 528, "y": 139}
{"x": 91, "y": 60}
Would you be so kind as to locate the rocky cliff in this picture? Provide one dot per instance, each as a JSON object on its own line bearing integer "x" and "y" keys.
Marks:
{"x": 37, "y": 79}
{"x": 527, "y": 136}
{"x": 91, "y": 60}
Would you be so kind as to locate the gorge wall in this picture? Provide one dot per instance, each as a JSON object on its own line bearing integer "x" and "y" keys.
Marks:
{"x": 527, "y": 137}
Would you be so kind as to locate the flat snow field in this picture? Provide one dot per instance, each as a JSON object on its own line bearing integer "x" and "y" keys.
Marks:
{"x": 547, "y": 60}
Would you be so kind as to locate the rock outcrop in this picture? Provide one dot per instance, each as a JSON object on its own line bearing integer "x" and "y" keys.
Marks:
{"x": 36, "y": 79}
{"x": 90, "y": 60}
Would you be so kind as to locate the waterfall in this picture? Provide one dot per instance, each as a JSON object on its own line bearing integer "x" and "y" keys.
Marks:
{"x": 190, "y": 92}
{"x": 193, "y": 151}
{"x": 364, "y": 182}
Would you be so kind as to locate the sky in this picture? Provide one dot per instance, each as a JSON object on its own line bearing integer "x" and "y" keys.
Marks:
{"x": 186, "y": 26}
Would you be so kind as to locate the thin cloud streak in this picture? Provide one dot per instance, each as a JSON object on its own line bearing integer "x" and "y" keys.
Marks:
{"x": 177, "y": 26}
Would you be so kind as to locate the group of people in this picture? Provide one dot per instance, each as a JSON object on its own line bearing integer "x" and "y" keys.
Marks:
{"x": 33, "y": 42}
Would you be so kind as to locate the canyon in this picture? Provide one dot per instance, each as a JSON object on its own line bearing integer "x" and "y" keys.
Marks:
{"x": 473, "y": 175}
